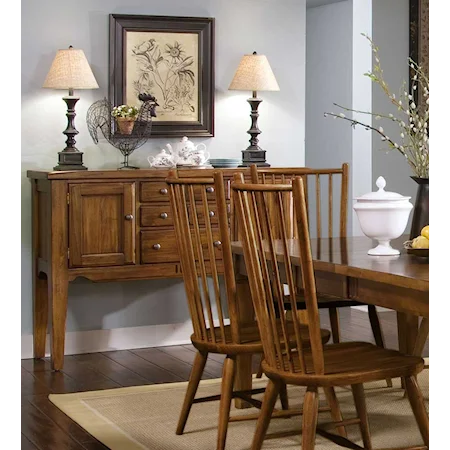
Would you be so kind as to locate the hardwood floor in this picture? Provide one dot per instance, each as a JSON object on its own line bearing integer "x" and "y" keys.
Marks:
{"x": 45, "y": 427}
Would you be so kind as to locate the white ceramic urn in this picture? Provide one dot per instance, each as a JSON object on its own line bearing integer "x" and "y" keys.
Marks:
{"x": 383, "y": 216}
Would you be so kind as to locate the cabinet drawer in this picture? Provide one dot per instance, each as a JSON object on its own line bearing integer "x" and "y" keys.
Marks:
{"x": 156, "y": 216}
{"x": 160, "y": 216}
{"x": 161, "y": 246}
{"x": 154, "y": 191}
{"x": 158, "y": 191}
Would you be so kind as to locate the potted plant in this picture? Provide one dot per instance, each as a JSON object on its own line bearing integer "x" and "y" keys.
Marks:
{"x": 413, "y": 122}
{"x": 125, "y": 116}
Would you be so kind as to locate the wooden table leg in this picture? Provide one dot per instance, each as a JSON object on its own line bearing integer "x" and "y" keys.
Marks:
{"x": 407, "y": 326}
{"x": 58, "y": 284}
{"x": 412, "y": 329}
{"x": 243, "y": 380}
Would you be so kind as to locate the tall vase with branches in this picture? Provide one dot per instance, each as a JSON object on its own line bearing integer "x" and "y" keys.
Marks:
{"x": 412, "y": 118}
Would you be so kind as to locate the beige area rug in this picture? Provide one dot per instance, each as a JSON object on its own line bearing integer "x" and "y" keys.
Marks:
{"x": 145, "y": 417}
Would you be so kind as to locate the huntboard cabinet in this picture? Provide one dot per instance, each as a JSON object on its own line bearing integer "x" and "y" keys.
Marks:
{"x": 104, "y": 226}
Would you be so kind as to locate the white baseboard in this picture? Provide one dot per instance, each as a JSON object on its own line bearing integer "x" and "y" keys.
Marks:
{"x": 78, "y": 342}
{"x": 94, "y": 341}
{"x": 117, "y": 339}
{"x": 365, "y": 308}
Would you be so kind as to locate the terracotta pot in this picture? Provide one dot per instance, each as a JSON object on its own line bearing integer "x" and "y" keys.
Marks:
{"x": 125, "y": 124}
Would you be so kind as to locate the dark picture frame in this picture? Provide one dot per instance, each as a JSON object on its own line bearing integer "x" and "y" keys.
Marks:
{"x": 419, "y": 39}
{"x": 182, "y": 48}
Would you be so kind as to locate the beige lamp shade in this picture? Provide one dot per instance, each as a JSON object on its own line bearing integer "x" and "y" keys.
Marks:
{"x": 254, "y": 74}
{"x": 70, "y": 70}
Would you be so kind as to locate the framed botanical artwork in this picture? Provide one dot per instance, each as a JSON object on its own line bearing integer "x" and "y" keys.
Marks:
{"x": 171, "y": 58}
{"x": 419, "y": 14}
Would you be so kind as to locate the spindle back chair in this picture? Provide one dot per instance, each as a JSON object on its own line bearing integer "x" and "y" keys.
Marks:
{"x": 268, "y": 252}
{"x": 205, "y": 255}
{"x": 322, "y": 187}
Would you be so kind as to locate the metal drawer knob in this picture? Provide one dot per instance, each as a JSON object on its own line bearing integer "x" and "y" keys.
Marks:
{"x": 212, "y": 214}
{"x": 209, "y": 190}
{"x": 156, "y": 246}
{"x": 217, "y": 243}
{"x": 163, "y": 191}
{"x": 163, "y": 216}
{"x": 129, "y": 217}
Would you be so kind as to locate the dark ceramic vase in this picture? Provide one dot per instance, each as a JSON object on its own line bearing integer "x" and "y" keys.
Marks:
{"x": 421, "y": 207}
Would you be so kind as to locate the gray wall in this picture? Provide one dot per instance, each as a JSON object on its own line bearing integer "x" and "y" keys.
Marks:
{"x": 328, "y": 80}
{"x": 274, "y": 28}
{"x": 391, "y": 35}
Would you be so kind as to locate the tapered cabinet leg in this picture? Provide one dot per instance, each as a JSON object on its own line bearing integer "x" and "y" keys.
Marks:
{"x": 40, "y": 315}
{"x": 58, "y": 283}
{"x": 270, "y": 397}
{"x": 310, "y": 413}
{"x": 194, "y": 380}
{"x": 58, "y": 291}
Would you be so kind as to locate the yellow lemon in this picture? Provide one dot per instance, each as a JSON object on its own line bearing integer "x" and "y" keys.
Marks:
{"x": 420, "y": 242}
{"x": 425, "y": 232}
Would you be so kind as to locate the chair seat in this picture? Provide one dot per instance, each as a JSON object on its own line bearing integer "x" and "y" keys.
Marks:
{"x": 323, "y": 301}
{"x": 250, "y": 339}
{"x": 349, "y": 363}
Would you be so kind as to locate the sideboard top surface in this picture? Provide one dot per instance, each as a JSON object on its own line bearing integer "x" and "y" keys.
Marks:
{"x": 124, "y": 174}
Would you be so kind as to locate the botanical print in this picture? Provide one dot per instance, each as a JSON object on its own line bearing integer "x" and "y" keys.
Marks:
{"x": 164, "y": 64}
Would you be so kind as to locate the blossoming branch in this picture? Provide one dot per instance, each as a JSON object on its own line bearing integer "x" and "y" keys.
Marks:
{"x": 412, "y": 120}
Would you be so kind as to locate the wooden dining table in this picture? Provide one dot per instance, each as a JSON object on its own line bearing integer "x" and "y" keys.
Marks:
{"x": 344, "y": 269}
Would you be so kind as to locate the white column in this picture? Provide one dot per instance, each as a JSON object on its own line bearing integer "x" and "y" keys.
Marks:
{"x": 361, "y": 165}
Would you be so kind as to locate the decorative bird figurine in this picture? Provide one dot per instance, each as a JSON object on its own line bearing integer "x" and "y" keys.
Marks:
{"x": 99, "y": 117}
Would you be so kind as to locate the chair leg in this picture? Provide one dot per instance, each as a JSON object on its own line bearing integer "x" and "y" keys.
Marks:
{"x": 377, "y": 332}
{"x": 334, "y": 322}
{"x": 284, "y": 397}
{"x": 260, "y": 370}
{"x": 418, "y": 406}
{"x": 268, "y": 403}
{"x": 336, "y": 414}
{"x": 229, "y": 370}
{"x": 360, "y": 404}
{"x": 310, "y": 413}
{"x": 194, "y": 380}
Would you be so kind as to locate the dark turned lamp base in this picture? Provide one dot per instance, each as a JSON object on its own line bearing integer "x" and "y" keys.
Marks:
{"x": 70, "y": 161}
{"x": 253, "y": 154}
{"x": 250, "y": 157}
{"x": 70, "y": 158}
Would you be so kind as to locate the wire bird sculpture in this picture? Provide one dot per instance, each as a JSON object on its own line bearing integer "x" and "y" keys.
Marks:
{"x": 99, "y": 117}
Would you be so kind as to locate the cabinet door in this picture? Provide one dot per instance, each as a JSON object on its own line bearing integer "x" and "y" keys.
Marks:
{"x": 101, "y": 224}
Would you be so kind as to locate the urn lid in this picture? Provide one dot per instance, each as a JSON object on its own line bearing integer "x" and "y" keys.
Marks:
{"x": 381, "y": 195}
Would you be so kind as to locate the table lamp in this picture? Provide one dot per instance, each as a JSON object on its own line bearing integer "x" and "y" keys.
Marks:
{"x": 70, "y": 70}
{"x": 254, "y": 74}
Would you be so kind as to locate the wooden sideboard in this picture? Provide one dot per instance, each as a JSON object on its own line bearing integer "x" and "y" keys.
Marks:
{"x": 104, "y": 226}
